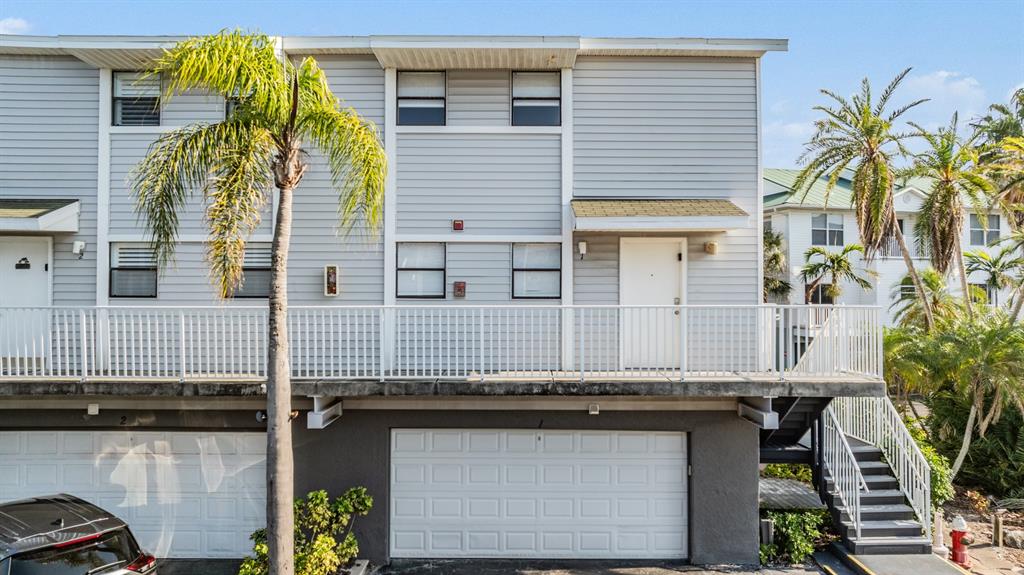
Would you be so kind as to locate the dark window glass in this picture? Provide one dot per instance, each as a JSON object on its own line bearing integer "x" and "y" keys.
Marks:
{"x": 105, "y": 554}
{"x": 409, "y": 115}
{"x": 820, "y": 295}
{"x": 133, "y": 282}
{"x": 421, "y": 98}
{"x": 527, "y": 114}
{"x": 536, "y": 99}
{"x": 255, "y": 283}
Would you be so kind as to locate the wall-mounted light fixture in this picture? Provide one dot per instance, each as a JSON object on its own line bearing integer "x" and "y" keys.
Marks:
{"x": 459, "y": 289}
{"x": 78, "y": 248}
{"x": 594, "y": 409}
{"x": 331, "y": 280}
{"x": 92, "y": 409}
{"x": 711, "y": 248}
{"x": 582, "y": 247}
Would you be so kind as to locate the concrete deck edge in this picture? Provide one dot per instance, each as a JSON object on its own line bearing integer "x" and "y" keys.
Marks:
{"x": 453, "y": 388}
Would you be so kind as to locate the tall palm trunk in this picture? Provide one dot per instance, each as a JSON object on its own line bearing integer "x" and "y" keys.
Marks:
{"x": 966, "y": 444}
{"x": 959, "y": 255}
{"x": 926, "y": 305}
{"x": 1017, "y": 301}
{"x": 280, "y": 480}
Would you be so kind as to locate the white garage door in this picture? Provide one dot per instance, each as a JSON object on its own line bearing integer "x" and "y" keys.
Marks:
{"x": 538, "y": 494}
{"x": 183, "y": 494}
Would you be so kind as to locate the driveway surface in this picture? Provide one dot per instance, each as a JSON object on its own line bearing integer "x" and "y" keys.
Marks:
{"x": 501, "y": 567}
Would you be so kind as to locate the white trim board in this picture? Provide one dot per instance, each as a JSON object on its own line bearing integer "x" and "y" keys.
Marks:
{"x": 662, "y": 224}
{"x": 63, "y": 219}
{"x": 457, "y": 237}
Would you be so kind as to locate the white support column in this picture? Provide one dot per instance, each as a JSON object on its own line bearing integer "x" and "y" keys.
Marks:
{"x": 759, "y": 218}
{"x": 102, "y": 246}
{"x": 390, "y": 213}
{"x": 567, "y": 220}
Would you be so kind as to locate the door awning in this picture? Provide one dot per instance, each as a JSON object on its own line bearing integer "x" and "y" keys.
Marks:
{"x": 620, "y": 215}
{"x": 38, "y": 215}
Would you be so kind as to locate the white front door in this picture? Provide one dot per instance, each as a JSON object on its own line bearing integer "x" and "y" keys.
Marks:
{"x": 651, "y": 272}
{"x": 24, "y": 282}
{"x": 538, "y": 494}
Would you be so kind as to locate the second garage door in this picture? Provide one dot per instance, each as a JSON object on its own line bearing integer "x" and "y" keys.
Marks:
{"x": 538, "y": 494}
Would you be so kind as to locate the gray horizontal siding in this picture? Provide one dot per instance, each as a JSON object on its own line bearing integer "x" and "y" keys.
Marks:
{"x": 497, "y": 184}
{"x": 359, "y": 82}
{"x": 478, "y": 98}
{"x": 49, "y": 109}
{"x": 192, "y": 107}
{"x": 665, "y": 127}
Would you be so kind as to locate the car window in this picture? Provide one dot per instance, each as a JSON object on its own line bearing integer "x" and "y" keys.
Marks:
{"x": 109, "y": 552}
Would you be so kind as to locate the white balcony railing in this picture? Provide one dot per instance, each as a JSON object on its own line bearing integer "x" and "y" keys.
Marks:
{"x": 516, "y": 342}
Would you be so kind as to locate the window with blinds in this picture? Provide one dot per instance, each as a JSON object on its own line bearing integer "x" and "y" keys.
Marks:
{"x": 536, "y": 271}
{"x": 421, "y": 98}
{"x": 536, "y": 98}
{"x": 136, "y": 99}
{"x": 133, "y": 271}
{"x": 255, "y": 272}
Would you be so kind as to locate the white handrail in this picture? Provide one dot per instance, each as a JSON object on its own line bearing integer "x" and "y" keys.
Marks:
{"x": 876, "y": 421}
{"x": 416, "y": 341}
{"x": 842, "y": 467}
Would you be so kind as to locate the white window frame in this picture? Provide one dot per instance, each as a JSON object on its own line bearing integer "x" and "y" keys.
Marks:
{"x": 117, "y": 265}
{"x": 114, "y": 117}
{"x": 443, "y": 98}
{"x": 514, "y": 99}
{"x": 830, "y": 219}
{"x": 256, "y": 259}
{"x": 989, "y": 234}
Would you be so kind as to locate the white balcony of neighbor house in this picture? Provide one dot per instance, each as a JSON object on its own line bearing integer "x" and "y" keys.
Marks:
{"x": 470, "y": 344}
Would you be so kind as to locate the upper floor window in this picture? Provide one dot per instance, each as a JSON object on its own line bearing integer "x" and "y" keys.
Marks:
{"x": 536, "y": 99}
{"x": 421, "y": 98}
{"x": 536, "y": 271}
{"x": 820, "y": 295}
{"x": 255, "y": 272}
{"x": 984, "y": 235}
{"x": 827, "y": 229}
{"x": 133, "y": 271}
{"x": 136, "y": 99}
{"x": 421, "y": 270}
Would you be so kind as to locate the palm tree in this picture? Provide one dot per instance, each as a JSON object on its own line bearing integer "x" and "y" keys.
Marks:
{"x": 952, "y": 165}
{"x": 907, "y": 304}
{"x": 774, "y": 267}
{"x": 234, "y": 164}
{"x": 1001, "y": 270}
{"x": 1001, "y": 130}
{"x": 1016, "y": 242}
{"x": 858, "y": 133}
{"x": 833, "y": 265}
{"x": 979, "y": 359}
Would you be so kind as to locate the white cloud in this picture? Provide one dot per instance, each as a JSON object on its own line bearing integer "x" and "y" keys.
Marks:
{"x": 14, "y": 26}
{"x": 947, "y": 92}
{"x": 784, "y": 141}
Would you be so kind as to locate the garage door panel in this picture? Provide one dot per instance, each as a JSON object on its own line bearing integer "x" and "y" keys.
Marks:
{"x": 184, "y": 495}
{"x": 505, "y": 493}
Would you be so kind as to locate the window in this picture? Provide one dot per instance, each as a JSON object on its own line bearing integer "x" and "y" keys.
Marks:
{"x": 421, "y": 270}
{"x": 136, "y": 99}
{"x": 820, "y": 294}
{"x": 230, "y": 105}
{"x": 536, "y": 98}
{"x": 133, "y": 271}
{"x": 108, "y": 553}
{"x": 536, "y": 271}
{"x": 255, "y": 272}
{"x": 980, "y": 292}
{"x": 984, "y": 235}
{"x": 421, "y": 98}
{"x": 768, "y": 226}
{"x": 827, "y": 229}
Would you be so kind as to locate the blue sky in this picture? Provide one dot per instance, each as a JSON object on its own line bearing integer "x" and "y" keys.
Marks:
{"x": 965, "y": 55}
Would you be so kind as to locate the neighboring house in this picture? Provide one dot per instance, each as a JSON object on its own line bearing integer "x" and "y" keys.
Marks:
{"x": 554, "y": 349}
{"x": 806, "y": 221}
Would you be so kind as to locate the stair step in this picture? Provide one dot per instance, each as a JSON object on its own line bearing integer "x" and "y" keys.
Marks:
{"x": 880, "y": 512}
{"x": 866, "y": 452}
{"x": 877, "y": 497}
{"x": 874, "y": 482}
{"x": 883, "y": 528}
{"x": 889, "y": 545}
{"x": 874, "y": 468}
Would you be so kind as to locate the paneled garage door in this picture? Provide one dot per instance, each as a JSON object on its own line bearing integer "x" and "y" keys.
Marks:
{"x": 183, "y": 494}
{"x": 538, "y": 494}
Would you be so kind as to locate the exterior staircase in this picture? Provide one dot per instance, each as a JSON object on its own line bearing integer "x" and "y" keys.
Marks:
{"x": 873, "y": 478}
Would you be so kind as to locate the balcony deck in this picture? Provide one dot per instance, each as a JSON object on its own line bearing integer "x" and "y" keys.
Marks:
{"x": 447, "y": 350}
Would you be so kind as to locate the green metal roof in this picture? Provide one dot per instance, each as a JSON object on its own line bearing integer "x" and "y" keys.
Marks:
{"x": 778, "y": 190}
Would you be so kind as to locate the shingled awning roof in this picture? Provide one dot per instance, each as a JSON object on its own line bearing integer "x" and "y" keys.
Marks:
{"x": 658, "y": 215}
{"x": 38, "y": 215}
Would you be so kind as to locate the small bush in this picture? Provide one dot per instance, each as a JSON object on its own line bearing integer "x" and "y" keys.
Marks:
{"x": 941, "y": 473}
{"x": 324, "y": 541}
{"x": 797, "y": 535}
{"x": 797, "y": 471}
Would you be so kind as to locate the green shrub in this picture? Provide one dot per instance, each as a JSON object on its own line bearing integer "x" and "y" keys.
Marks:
{"x": 941, "y": 473}
{"x": 994, "y": 463}
{"x": 324, "y": 541}
{"x": 797, "y": 535}
{"x": 797, "y": 471}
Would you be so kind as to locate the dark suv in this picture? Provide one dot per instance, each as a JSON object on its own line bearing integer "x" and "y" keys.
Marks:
{"x": 65, "y": 535}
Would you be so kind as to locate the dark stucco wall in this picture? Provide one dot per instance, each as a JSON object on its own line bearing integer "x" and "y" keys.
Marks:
{"x": 723, "y": 453}
{"x": 355, "y": 451}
